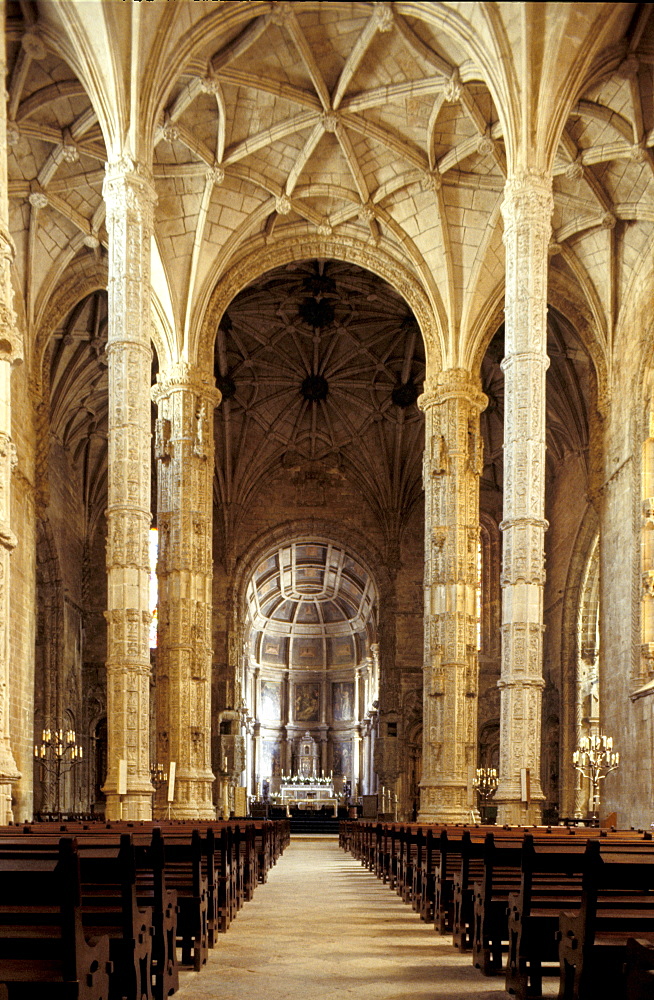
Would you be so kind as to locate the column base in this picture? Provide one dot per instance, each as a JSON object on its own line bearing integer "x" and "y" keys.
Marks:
{"x": 6, "y": 812}
{"x": 445, "y": 804}
{"x": 193, "y": 799}
{"x": 132, "y": 806}
{"x": 517, "y": 813}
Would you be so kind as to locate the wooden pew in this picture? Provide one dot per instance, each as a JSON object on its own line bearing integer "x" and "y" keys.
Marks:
{"x": 43, "y": 947}
{"x": 550, "y": 880}
{"x": 617, "y": 904}
{"x": 639, "y": 969}
{"x": 110, "y": 906}
{"x": 98, "y": 846}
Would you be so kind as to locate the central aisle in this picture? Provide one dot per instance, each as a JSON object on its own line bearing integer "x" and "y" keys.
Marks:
{"x": 324, "y": 928}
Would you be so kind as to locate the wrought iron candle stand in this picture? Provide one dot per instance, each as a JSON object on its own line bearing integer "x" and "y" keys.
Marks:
{"x": 485, "y": 782}
{"x": 595, "y": 758}
{"x": 158, "y": 776}
{"x": 57, "y": 754}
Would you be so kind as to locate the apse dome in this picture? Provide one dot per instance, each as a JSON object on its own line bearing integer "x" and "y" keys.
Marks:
{"x": 312, "y": 606}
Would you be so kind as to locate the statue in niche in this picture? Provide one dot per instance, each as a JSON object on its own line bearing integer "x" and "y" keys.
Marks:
{"x": 200, "y": 417}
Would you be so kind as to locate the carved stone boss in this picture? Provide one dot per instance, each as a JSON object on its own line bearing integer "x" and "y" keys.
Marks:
{"x": 527, "y": 211}
{"x": 452, "y": 466}
{"x": 10, "y": 354}
{"x": 184, "y": 450}
{"x": 129, "y": 197}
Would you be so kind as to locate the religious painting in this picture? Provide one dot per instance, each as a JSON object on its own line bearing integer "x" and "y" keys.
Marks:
{"x": 342, "y": 759}
{"x": 273, "y": 649}
{"x": 308, "y": 652}
{"x": 307, "y": 702}
{"x": 343, "y": 701}
{"x": 271, "y": 701}
{"x": 341, "y": 652}
{"x": 270, "y": 758}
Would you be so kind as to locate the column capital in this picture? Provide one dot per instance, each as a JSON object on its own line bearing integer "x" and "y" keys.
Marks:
{"x": 453, "y": 383}
{"x": 125, "y": 171}
{"x": 528, "y": 197}
{"x": 182, "y": 377}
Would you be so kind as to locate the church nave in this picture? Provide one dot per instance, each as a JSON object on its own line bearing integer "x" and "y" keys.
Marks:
{"x": 324, "y": 927}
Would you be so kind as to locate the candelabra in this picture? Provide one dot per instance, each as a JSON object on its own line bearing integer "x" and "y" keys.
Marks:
{"x": 57, "y": 753}
{"x": 158, "y": 776}
{"x": 595, "y": 758}
{"x": 485, "y": 781}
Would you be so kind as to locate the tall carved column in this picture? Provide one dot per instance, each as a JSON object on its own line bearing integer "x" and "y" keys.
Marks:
{"x": 184, "y": 450}
{"x": 10, "y": 354}
{"x": 647, "y": 555}
{"x": 527, "y": 211}
{"x": 129, "y": 198}
{"x": 452, "y": 465}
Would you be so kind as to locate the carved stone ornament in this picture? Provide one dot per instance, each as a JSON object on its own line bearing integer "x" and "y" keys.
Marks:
{"x": 383, "y": 16}
{"x": 281, "y": 13}
{"x": 210, "y": 84}
{"x": 215, "y": 175}
{"x": 69, "y": 152}
{"x": 283, "y": 205}
{"x": 38, "y": 199}
{"x": 13, "y": 134}
{"x": 431, "y": 181}
{"x": 485, "y": 144}
{"x": 33, "y": 46}
{"x": 453, "y": 88}
{"x": 330, "y": 121}
{"x": 162, "y": 440}
{"x": 575, "y": 170}
{"x": 367, "y": 212}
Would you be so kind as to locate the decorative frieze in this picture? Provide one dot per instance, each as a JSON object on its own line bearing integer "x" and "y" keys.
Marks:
{"x": 129, "y": 197}
{"x": 186, "y": 399}
{"x": 527, "y": 211}
{"x": 453, "y": 462}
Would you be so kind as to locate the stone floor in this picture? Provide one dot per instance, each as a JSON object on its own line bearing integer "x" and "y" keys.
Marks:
{"x": 324, "y": 928}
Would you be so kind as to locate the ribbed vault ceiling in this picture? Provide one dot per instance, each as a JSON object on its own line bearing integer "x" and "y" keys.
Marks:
{"x": 320, "y": 364}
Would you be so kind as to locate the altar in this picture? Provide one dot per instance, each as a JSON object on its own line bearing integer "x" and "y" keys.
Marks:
{"x": 308, "y": 795}
{"x": 306, "y": 789}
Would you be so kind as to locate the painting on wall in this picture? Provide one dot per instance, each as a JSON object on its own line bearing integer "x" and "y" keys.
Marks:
{"x": 270, "y": 759}
{"x": 343, "y": 701}
{"x": 307, "y": 702}
{"x": 342, "y": 759}
{"x": 271, "y": 701}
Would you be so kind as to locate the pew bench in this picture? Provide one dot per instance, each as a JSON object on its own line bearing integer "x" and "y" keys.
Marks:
{"x": 43, "y": 945}
{"x": 617, "y": 905}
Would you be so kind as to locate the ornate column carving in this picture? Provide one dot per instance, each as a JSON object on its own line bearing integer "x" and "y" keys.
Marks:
{"x": 10, "y": 354}
{"x": 527, "y": 211}
{"x": 452, "y": 466}
{"x": 184, "y": 450}
{"x": 647, "y": 555}
{"x": 129, "y": 197}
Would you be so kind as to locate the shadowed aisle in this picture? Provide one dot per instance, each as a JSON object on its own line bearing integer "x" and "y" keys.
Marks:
{"x": 324, "y": 928}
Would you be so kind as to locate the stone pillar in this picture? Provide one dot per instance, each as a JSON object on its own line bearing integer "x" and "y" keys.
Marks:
{"x": 129, "y": 197}
{"x": 527, "y": 211}
{"x": 647, "y": 554}
{"x": 10, "y": 354}
{"x": 452, "y": 466}
{"x": 184, "y": 450}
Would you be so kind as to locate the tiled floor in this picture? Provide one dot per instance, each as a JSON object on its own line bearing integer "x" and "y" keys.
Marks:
{"x": 324, "y": 928}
